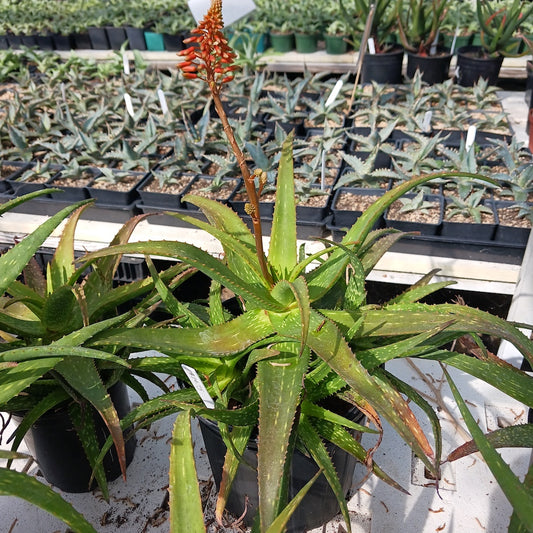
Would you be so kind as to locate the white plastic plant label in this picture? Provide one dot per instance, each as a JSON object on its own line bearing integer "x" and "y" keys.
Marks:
{"x": 371, "y": 45}
{"x": 126, "y": 64}
{"x": 232, "y": 10}
{"x": 426, "y": 123}
{"x": 162, "y": 101}
{"x": 199, "y": 386}
{"x": 334, "y": 93}
{"x": 470, "y": 137}
{"x": 129, "y": 105}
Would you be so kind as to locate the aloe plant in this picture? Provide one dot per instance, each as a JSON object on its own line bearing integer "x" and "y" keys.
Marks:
{"x": 304, "y": 333}
{"x": 46, "y": 320}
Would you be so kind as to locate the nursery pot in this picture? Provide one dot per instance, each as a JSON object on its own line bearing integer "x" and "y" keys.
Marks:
{"x": 306, "y": 43}
{"x": 135, "y": 38}
{"x": 336, "y": 44}
{"x": 55, "y": 445}
{"x": 472, "y": 65}
{"x": 282, "y": 42}
{"x": 319, "y": 504}
{"x": 383, "y": 68}
{"x": 434, "y": 69}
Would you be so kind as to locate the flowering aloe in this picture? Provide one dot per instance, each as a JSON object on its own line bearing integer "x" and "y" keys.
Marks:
{"x": 304, "y": 333}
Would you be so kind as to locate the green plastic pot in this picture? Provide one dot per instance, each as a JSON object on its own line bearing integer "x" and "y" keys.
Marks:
{"x": 282, "y": 42}
{"x": 154, "y": 41}
{"x": 306, "y": 43}
{"x": 336, "y": 44}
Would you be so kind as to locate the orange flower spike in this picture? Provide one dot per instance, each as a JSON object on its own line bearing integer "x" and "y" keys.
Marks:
{"x": 212, "y": 54}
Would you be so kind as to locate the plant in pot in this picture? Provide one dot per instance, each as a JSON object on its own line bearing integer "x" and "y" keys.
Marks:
{"x": 383, "y": 60}
{"x": 307, "y": 24}
{"x": 498, "y": 25}
{"x": 418, "y": 25}
{"x": 276, "y": 15}
{"x": 67, "y": 397}
{"x": 459, "y": 25}
{"x": 335, "y": 36}
{"x": 300, "y": 335}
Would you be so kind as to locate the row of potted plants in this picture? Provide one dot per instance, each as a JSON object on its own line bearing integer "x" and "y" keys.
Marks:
{"x": 428, "y": 31}
{"x": 298, "y": 334}
{"x": 50, "y": 24}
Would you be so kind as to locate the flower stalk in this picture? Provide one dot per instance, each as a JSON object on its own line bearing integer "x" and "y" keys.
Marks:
{"x": 210, "y": 58}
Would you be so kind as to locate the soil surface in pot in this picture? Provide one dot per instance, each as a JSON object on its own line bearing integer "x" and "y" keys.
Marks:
{"x": 82, "y": 181}
{"x": 355, "y": 202}
{"x": 429, "y": 215}
{"x": 176, "y": 187}
{"x": 486, "y": 218}
{"x": 508, "y": 216}
{"x": 124, "y": 184}
{"x": 6, "y": 170}
{"x": 202, "y": 187}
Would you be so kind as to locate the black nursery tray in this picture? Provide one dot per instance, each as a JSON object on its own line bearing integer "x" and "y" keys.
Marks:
{"x": 118, "y": 214}
{"x": 510, "y": 253}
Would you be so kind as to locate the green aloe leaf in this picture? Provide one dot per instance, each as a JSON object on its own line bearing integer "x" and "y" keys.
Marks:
{"x": 282, "y": 254}
{"x": 21, "y": 327}
{"x": 82, "y": 420}
{"x": 14, "y": 483}
{"x": 62, "y": 266}
{"x": 279, "y": 383}
{"x": 519, "y": 495}
{"x": 47, "y": 403}
{"x": 81, "y": 374}
{"x": 15, "y": 379}
{"x": 186, "y": 513}
{"x": 329, "y": 344}
{"x": 520, "y": 436}
{"x": 240, "y": 437}
{"x": 225, "y": 225}
{"x": 409, "y": 319}
{"x": 10, "y": 204}
{"x": 255, "y": 294}
{"x": 14, "y": 260}
{"x": 220, "y": 340}
{"x": 342, "y": 438}
{"x": 318, "y": 451}
{"x": 279, "y": 524}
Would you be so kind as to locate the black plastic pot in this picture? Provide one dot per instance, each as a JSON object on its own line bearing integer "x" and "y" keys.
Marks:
{"x": 115, "y": 37}
{"x": 472, "y": 65}
{"x": 314, "y": 213}
{"x": 135, "y": 38}
{"x": 54, "y": 443}
{"x": 73, "y": 193}
{"x": 434, "y": 69}
{"x": 383, "y": 68}
{"x": 473, "y": 231}
{"x": 318, "y": 506}
{"x": 10, "y": 170}
{"x": 114, "y": 196}
{"x": 61, "y": 42}
{"x": 81, "y": 41}
{"x": 505, "y": 233}
{"x": 345, "y": 218}
{"x": 424, "y": 228}
{"x": 161, "y": 200}
{"x": 173, "y": 43}
{"x": 4, "y": 44}
{"x": 44, "y": 42}
{"x": 98, "y": 37}
{"x": 14, "y": 41}
{"x": 28, "y": 40}
{"x": 223, "y": 195}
